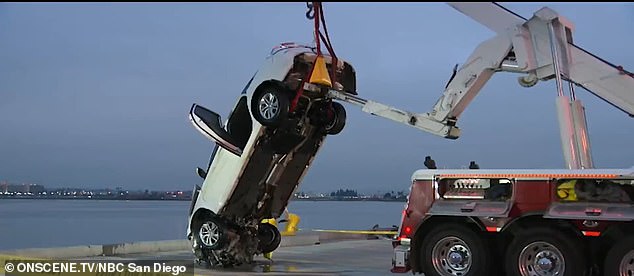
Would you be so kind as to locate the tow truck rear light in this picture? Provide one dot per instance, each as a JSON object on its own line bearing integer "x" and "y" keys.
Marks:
{"x": 591, "y": 233}
{"x": 493, "y": 229}
{"x": 408, "y": 230}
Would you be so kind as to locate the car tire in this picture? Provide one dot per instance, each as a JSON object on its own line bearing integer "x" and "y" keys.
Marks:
{"x": 269, "y": 236}
{"x": 559, "y": 251}
{"x": 338, "y": 121}
{"x": 620, "y": 258}
{"x": 270, "y": 106}
{"x": 470, "y": 252}
{"x": 211, "y": 234}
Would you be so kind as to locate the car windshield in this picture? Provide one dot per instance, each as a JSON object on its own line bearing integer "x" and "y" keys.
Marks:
{"x": 244, "y": 91}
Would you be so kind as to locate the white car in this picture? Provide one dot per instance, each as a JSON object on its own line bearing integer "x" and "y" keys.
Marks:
{"x": 262, "y": 153}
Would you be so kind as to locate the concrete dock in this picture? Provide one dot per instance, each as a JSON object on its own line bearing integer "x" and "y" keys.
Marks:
{"x": 304, "y": 254}
{"x": 350, "y": 257}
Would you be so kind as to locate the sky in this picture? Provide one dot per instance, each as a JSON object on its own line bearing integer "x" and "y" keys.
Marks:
{"x": 96, "y": 95}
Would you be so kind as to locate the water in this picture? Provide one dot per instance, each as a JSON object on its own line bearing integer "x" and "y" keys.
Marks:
{"x": 52, "y": 223}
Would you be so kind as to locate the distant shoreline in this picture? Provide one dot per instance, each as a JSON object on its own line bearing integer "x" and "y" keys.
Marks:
{"x": 187, "y": 199}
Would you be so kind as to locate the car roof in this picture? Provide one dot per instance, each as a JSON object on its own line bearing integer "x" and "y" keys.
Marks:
{"x": 294, "y": 49}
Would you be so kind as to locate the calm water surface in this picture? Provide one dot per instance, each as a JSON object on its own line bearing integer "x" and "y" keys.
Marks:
{"x": 51, "y": 223}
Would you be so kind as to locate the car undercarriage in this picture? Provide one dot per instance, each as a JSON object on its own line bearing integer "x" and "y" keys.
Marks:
{"x": 280, "y": 158}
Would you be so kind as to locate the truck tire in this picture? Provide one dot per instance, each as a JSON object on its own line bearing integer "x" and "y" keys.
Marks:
{"x": 620, "y": 258}
{"x": 454, "y": 249}
{"x": 545, "y": 251}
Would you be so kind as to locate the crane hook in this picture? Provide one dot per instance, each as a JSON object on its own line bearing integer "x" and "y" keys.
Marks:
{"x": 310, "y": 14}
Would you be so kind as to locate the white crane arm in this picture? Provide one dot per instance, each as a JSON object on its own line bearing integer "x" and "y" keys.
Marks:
{"x": 601, "y": 78}
{"x": 488, "y": 58}
{"x": 420, "y": 121}
{"x": 520, "y": 46}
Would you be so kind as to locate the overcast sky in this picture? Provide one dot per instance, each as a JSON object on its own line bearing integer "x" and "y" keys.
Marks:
{"x": 97, "y": 94}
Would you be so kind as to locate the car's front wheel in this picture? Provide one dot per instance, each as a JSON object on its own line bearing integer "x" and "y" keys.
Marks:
{"x": 211, "y": 234}
{"x": 270, "y": 106}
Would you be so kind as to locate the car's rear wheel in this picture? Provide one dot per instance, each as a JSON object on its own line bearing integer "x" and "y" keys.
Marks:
{"x": 338, "y": 120}
{"x": 269, "y": 236}
{"x": 211, "y": 233}
{"x": 270, "y": 105}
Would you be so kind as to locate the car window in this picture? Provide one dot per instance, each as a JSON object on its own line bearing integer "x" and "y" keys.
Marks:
{"x": 239, "y": 123}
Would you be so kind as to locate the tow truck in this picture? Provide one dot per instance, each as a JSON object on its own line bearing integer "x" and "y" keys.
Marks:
{"x": 573, "y": 221}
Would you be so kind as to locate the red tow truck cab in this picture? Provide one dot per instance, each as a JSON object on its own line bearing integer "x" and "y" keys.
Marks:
{"x": 512, "y": 222}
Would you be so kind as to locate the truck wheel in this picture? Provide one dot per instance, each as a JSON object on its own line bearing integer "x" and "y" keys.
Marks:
{"x": 454, "y": 249}
{"x": 270, "y": 106}
{"x": 544, "y": 251}
{"x": 211, "y": 234}
{"x": 269, "y": 236}
{"x": 620, "y": 259}
{"x": 338, "y": 121}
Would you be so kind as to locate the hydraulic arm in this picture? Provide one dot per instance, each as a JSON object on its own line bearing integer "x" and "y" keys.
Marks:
{"x": 540, "y": 48}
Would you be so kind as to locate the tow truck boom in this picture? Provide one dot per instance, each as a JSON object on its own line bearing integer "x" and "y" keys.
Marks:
{"x": 420, "y": 121}
{"x": 540, "y": 49}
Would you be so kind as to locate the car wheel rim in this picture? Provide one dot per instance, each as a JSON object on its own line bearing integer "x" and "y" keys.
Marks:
{"x": 451, "y": 256}
{"x": 269, "y": 106}
{"x": 331, "y": 124}
{"x": 627, "y": 264}
{"x": 268, "y": 235}
{"x": 209, "y": 233}
{"x": 541, "y": 259}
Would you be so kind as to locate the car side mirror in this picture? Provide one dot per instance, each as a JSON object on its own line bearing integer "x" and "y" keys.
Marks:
{"x": 202, "y": 173}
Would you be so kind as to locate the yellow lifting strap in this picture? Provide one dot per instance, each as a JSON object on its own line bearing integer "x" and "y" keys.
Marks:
{"x": 362, "y": 232}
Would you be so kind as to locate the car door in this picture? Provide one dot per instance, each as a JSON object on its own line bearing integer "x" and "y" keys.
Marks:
{"x": 210, "y": 125}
